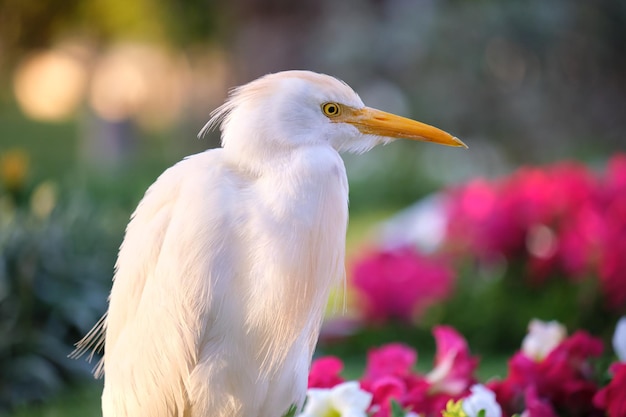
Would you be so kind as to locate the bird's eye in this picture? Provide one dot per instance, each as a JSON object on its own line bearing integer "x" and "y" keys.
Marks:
{"x": 331, "y": 109}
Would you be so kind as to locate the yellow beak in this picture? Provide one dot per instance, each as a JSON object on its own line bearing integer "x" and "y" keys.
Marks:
{"x": 376, "y": 122}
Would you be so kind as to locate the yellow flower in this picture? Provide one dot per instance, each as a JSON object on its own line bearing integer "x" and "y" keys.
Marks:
{"x": 454, "y": 409}
{"x": 13, "y": 169}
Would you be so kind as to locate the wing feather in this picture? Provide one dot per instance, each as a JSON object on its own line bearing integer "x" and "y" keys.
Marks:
{"x": 161, "y": 300}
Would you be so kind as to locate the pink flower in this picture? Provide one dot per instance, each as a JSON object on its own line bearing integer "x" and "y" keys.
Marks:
{"x": 389, "y": 375}
{"x": 325, "y": 372}
{"x": 612, "y": 260}
{"x": 612, "y": 398}
{"x": 400, "y": 284}
{"x": 580, "y": 239}
{"x": 557, "y": 220}
{"x": 616, "y": 173}
{"x": 384, "y": 390}
{"x": 477, "y": 221}
{"x": 498, "y": 216}
{"x": 454, "y": 367}
{"x": 394, "y": 359}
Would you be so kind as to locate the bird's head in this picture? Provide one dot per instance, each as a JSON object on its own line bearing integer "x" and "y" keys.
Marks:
{"x": 298, "y": 108}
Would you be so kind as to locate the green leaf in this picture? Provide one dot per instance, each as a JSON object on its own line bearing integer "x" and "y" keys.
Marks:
{"x": 396, "y": 409}
{"x": 482, "y": 413}
{"x": 292, "y": 411}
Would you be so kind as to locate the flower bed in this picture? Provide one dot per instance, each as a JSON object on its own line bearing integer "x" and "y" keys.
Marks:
{"x": 551, "y": 375}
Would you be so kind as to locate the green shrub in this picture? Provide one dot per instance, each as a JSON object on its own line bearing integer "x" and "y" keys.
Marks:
{"x": 56, "y": 262}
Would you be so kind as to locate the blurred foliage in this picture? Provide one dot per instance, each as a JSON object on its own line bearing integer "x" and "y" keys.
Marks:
{"x": 56, "y": 261}
{"x": 493, "y": 310}
{"x": 31, "y": 24}
{"x": 77, "y": 400}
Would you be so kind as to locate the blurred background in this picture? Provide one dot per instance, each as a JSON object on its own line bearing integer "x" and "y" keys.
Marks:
{"x": 98, "y": 97}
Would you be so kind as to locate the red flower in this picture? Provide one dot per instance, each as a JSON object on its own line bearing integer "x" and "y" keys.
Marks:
{"x": 400, "y": 284}
{"x": 612, "y": 398}
{"x": 568, "y": 374}
{"x": 535, "y": 406}
{"x": 325, "y": 372}
{"x": 523, "y": 372}
{"x": 563, "y": 378}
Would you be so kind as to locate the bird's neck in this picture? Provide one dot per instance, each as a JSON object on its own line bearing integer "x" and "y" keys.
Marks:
{"x": 298, "y": 251}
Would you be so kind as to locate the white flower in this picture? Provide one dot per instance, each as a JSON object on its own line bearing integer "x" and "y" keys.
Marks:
{"x": 619, "y": 339}
{"x": 542, "y": 338}
{"x": 344, "y": 400}
{"x": 482, "y": 398}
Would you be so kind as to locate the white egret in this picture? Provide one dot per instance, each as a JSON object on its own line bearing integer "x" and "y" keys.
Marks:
{"x": 225, "y": 269}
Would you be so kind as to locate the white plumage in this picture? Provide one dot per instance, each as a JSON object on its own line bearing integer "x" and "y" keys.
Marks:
{"x": 225, "y": 269}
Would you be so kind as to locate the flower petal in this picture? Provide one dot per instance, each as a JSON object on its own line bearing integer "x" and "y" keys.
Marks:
{"x": 619, "y": 339}
{"x": 482, "y": 398}
{"x": 318, "y": 402}
{"x": 349, "y": 397}
{"x": 542, "y": 338}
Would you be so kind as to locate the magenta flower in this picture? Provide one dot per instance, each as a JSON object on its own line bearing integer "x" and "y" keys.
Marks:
{"x": 390, "y": 374}
{"x": 612, "y": 398}
{"x": 519, "y": 215}
{"x": 563, "y": 379}
{"x": 566, "y": 375}
{"x": 394, "y": 359}
{"x": 400, "y": 284}
{"x": 384, "y": 390}
{"x": 535, "y": 406}
{"x": 559, "y": 381}
{"x": 454, "y": 366}
{"x": 616, "y": 173}
{"x": 325, "y": 372}
{"x": 612, "y": 260}
{"x": 556, "y": 220}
